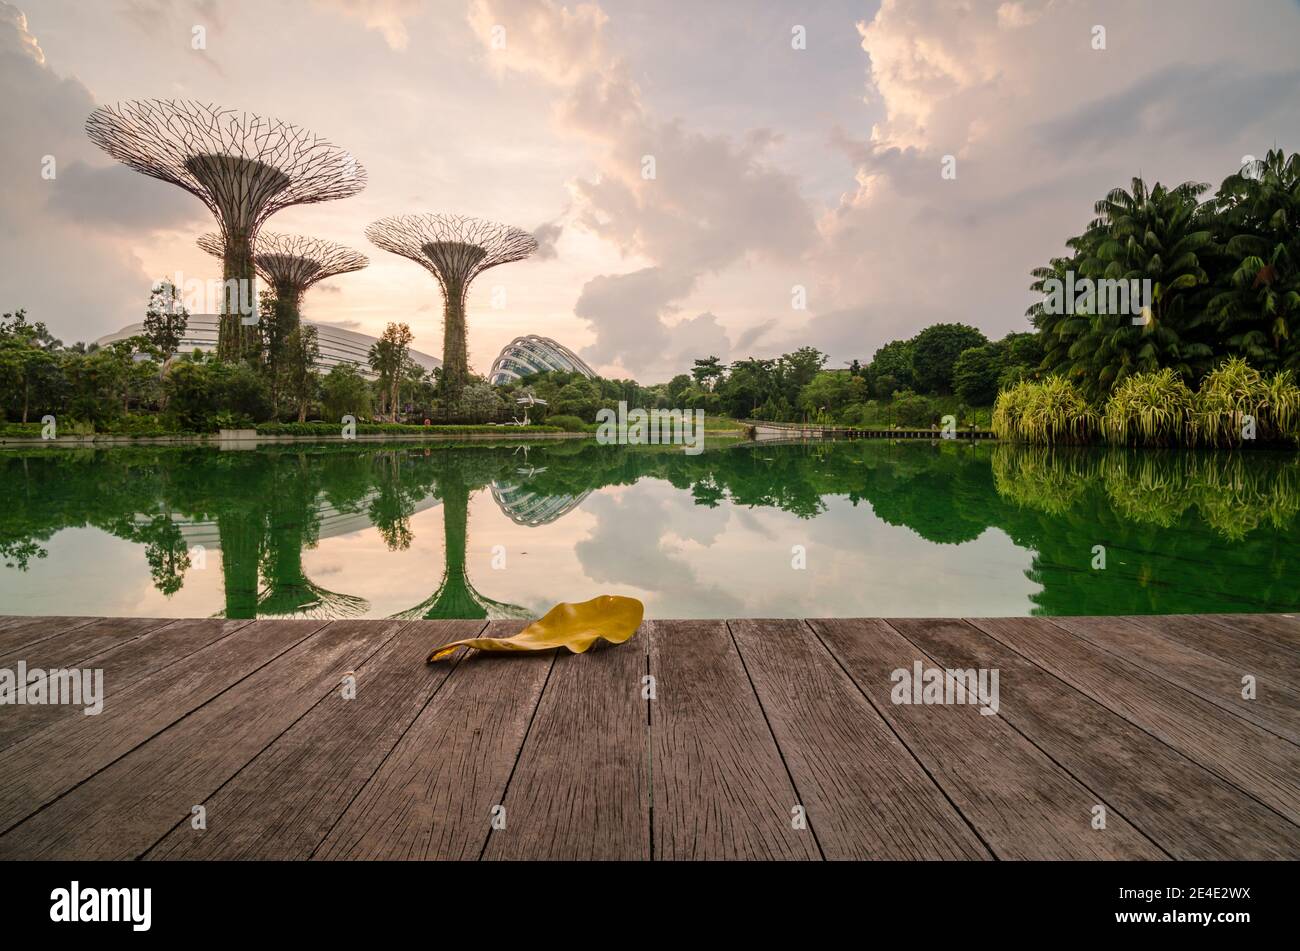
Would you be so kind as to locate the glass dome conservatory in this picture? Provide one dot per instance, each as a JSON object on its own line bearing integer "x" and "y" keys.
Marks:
{"x": 534, "y": 354}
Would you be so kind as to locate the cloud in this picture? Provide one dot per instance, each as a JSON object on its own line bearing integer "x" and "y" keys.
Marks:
{"x": 388, "y": 17}
{"x": 685, "y": 203}
{"x": 43, "y": 240}
{"x": 547, "y": 236}
{"x": 119, "y": 199}
{"x": 14, "y": 37}
{"x": 354, "y": 325}
{"x": 752, "y": 335}
{"x": 155, "y": 17}
{"x": 1040, "y": 125}
{"x": 624, "y": 311}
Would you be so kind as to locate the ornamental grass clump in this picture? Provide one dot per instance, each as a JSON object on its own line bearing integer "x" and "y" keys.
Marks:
{"x": 1146, "y": 488}
{"x": 1008, "y": 409}
{"x": 1053, "y": 481}
{"x": 1046, "y": 412}
{"x": 1236, "y": 403}
{"x": 1150, "y": 409}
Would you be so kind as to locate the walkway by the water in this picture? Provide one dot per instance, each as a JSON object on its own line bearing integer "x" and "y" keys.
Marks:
{"x": 288, "y": 739}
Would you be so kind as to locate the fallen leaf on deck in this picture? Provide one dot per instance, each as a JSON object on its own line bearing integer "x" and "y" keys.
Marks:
{"x": 575, "y": 626}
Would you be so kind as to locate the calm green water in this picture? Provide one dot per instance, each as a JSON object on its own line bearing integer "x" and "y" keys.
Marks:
{"x": 881, "y": 529}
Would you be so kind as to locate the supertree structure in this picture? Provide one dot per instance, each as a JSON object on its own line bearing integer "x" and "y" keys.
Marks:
{"x": 291, "y": 263}
{"x": 455, "y": 250}
{"x": 244, "y": 167}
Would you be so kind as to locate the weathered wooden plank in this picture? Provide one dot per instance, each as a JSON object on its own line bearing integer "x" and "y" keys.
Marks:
{"x": 1260, "y": 763}
{"x": 1191, "y": 812}
{"x": 720, "y": 789}
{"x": 1275, "y": 707}
{"x": 580, "y": 789}
{"x": 1022, "y": 803}
{"x": 123, "y": 665}
{"x": 123, "y": 810}
{"x": 1278, "y": 662}
{"x": 43, "y": 766}
{"x": 83, "y": 642}
{"x": 19, "y": 630}
{"x": 1281, "y": 629}
{"x": 864, "y": 794}
{"x": 285, "y": 801}
{"x": 433, "y": 796}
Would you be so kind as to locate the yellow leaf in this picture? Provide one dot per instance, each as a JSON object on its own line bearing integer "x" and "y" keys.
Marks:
{"x": 575, "y": 626}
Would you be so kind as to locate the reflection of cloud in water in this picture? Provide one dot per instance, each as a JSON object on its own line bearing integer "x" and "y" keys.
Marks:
{"x": 637, "y": 541}
{"x": 745, "y": 517}
{"x": 853, "y": 568}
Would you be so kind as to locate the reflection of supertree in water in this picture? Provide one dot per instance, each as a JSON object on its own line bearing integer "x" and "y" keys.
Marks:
{"x": 456, "y": 596}
{"x": 1184, "y": 531}
{"x": 293, "y": 525}
{"x": 240, "y": 531}
{"x": 243, "y": 167}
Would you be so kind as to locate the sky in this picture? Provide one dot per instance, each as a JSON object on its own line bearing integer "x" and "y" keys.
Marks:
{"x": 798, "y": 194}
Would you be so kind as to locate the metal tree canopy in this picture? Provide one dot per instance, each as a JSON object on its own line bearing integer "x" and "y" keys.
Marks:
{"x": 291, "y": 263}
{"x": 244, "y": 167}
{"x": 455, "y": 250}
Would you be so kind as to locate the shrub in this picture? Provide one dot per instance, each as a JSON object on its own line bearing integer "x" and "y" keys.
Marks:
{"x": 1235, "y": 390}
{"x": 1047, "y": 412}
{"x": 1009, "y": 409}
{"x": 912, "y": 409}
{"x": 1149, "y": 409}
{"x": 566, "y": 423}
{"x": 976, "y": 373}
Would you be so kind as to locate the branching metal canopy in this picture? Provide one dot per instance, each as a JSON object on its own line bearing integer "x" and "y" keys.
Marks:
{"x": 455, "y": 249}
{"x": 294, "y": 262}
{"x": 244, "y": 167}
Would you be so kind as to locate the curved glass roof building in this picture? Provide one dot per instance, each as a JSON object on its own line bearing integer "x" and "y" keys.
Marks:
{"x": 534, "y": 354}
{"x": 523, "y": 506}
{"x": 337, "y": 344}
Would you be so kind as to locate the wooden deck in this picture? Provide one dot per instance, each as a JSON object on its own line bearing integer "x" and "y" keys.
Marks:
{"x": 751, "y": 723}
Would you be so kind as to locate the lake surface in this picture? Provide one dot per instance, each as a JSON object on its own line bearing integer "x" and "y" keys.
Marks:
{"x": 436, "y": 530}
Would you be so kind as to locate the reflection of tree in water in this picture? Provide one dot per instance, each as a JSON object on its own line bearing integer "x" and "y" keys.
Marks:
{"x": 293, "y": 525}
{"x": 1183, "y": 532}
{"x": 458, "y": 473}
{"x": 1179, "y": 528}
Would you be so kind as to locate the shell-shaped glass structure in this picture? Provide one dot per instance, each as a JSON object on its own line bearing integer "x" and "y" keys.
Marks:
{"x": 534, "y": 354}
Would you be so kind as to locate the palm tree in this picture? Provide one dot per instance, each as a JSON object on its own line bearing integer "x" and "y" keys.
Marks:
{"x": 1155, "y": 234}
{"x": 1258, "y": 304}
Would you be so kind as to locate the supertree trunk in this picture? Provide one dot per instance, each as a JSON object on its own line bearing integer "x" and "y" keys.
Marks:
{"x": 290, "y": 302}
{"x": 241, "y": 550}
{"x": 235, "y": 339}
{"x": 455, "y": 347}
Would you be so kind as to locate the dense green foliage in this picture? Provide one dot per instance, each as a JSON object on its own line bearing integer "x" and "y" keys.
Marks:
{"x": 1235, "y": 405}
{"x": 139, "y": 386}
{"x": 1224, "y": 275}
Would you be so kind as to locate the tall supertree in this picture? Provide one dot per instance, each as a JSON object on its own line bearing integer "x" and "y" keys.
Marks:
{"x": 455, "y": 250}
{"x": 291, "y": 263}
{"x": 244, "y": 167}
